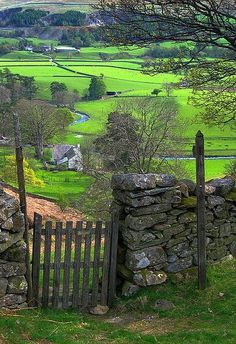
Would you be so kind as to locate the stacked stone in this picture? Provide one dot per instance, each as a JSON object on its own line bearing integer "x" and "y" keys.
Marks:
{"x": 13, "y": 285}
{"x": 158, "y": 228}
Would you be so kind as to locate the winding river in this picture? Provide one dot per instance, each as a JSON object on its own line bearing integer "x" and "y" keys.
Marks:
{"x": 83, "y": 117}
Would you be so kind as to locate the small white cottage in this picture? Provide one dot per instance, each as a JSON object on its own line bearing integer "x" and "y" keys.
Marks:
{"x": 68, "y": 154}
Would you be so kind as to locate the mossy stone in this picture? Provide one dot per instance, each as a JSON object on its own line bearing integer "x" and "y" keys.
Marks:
{"x": 189, "y": 202}
{"x": 231, "y": 195}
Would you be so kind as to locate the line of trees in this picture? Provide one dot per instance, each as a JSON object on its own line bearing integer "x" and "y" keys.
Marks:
{"x": 69, "y": 18}
{"x": 31, "y": 17}
{"x": 28, "y": 17}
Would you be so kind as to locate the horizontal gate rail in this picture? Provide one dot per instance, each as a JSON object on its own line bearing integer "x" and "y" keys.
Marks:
{"x": 71, "y": 264}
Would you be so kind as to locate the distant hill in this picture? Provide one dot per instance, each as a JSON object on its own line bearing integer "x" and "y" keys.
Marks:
{"x": 59, "y": 5}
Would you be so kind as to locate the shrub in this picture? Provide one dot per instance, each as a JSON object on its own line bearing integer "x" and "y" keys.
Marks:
{"x": 9, "y": 172}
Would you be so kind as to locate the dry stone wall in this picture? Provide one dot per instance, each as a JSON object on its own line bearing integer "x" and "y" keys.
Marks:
{"x": 158, "y": 229}
{"x": 13, "y": 285}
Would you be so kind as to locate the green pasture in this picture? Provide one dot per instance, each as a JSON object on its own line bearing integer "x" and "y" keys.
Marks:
{"x": 22, "y": 56}
{"x": 123, "y": 74}
{"x": 118, "y": 64}
{"x": 213, "y": 168}
{"x": 93, "y": 53}
{"x": 63, "y": 186}
{"x": 39, "y": 41}
{"x": 8, "y": 40}
{"x": 120, "y": 75}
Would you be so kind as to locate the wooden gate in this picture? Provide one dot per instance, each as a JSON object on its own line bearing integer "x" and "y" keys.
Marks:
{"x": 74, "y": 265}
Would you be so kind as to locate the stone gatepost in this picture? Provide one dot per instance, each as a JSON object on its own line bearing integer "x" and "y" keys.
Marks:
{"x": 13, "y": 285}
{"x": 158, "y": 229}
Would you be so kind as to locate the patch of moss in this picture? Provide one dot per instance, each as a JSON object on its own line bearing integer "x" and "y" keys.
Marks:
{"x": 190, "y": 202}
{"x": 124, "y": 272}
{"x": 231, "y": 195}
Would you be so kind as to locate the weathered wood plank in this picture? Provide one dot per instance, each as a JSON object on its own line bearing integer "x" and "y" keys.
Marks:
{"x": 77, "y": 265}
{"x": 97, "y": 251}
{"x": 87, "y": 251}
{"x": 67, "y": 262}
{"x": 81, "y": 232}
{"x": 36, "y": 257}
{"x": 113, "y": 257}
{"x": 47, "y": 258}
{"x": 106, "y": 262}
{"x": 72, "y": 265}
{"x": 57, "y": 265}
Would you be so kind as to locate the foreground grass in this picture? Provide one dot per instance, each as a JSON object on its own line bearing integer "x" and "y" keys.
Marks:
{"x": 199, "y": 317}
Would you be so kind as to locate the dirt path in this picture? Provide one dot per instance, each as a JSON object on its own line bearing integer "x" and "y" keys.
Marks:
{"x": 48, "y": 209}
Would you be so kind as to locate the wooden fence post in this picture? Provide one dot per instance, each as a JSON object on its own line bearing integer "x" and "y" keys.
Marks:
{"x": 201, "y": 230}
{"x": 22, "y": 196}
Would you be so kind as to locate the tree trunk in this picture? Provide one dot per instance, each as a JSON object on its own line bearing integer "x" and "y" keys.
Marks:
{"x": 39, "y": 150}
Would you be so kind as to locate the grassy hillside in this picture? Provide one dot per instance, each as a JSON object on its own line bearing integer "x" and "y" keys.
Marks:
{"x": 58, "y": 5}
{"x": 124, "y": 75}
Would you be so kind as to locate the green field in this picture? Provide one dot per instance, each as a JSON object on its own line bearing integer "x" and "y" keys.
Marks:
{"x": 123, "y": 75}
{"x": 54, "y": 6}
{"x": 199, "y": 317}
{"x": 119, "y": 75}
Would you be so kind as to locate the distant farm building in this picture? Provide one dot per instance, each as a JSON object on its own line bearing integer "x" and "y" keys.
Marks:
{"x": 69, "y": 155}
{"x": 113, "y": 93}
{"x": 46, "y": 48}
{"x": 29, "y": 48}
{"x": 184, "y": 83}
{"x": 65, "y": 49}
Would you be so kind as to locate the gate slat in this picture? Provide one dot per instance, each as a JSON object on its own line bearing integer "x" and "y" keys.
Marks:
{"x": 36, "y": 257}
{"x": 57, "y": 265}
{"x": 47, "y": 257}
{"x": 87, "y": 250}
{"x": 67, "y": 262}
{"x": 106, "y": 260}
{"x": 77, "y": 262}
{"x": 97, "y": 249}
{"x": 113, "y": 258}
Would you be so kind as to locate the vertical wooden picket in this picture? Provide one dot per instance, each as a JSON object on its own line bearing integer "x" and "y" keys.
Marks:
{"x": 67, "y": 265}
{"x": 36, "y": 257}
{"x": 86, "y": 266}
{"x": 77, "y": 262}
{"x": 57, "y": 265}
{"x": 46, "y": 265}
{"x": 96, "y": 262}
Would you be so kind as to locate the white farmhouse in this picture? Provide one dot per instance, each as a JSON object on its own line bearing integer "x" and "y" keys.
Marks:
{"x": 66, "y": 49}
{"x": 68, "y": 154}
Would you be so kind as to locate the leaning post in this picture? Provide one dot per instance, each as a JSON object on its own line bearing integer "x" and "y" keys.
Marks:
{"x": 22, "y": 197}
{"x": 201, "y": 229}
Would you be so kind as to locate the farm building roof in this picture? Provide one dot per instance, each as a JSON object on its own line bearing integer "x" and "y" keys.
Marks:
{"x": 65, "y": 48}
{"x": 59, "y": 151}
